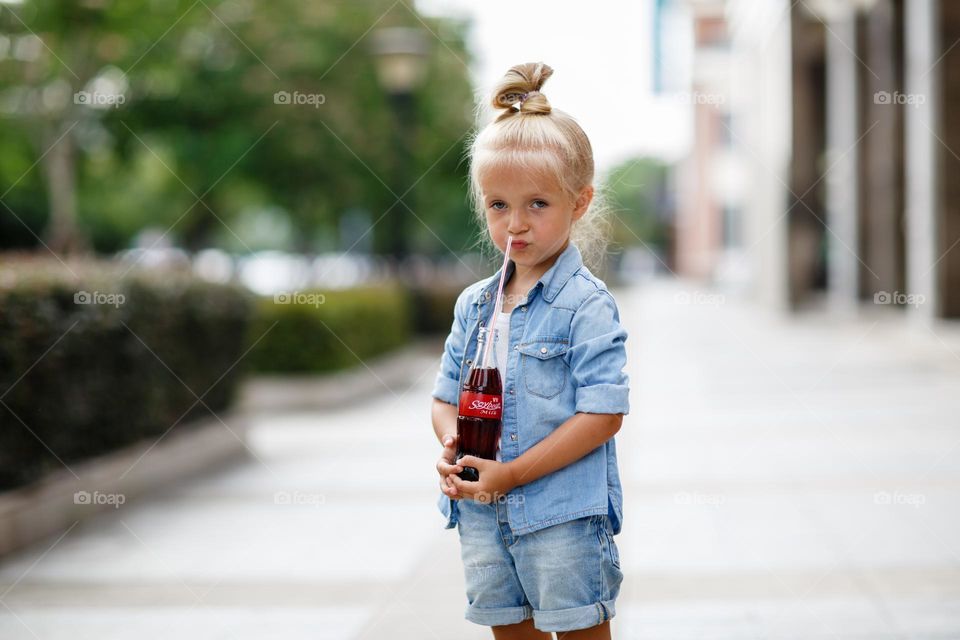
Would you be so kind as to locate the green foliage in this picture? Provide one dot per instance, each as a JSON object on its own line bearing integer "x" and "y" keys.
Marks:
{"x": 327, "y": 330}
{"x": 433, "y": 309}
{"x": 199, "y": 131}
{"x": 636, "y": 191}
{"x": 80, "y": 379}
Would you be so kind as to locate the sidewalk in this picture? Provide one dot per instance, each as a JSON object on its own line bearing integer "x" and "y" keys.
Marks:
{"x": 788, "y": 477}
{"x": 784, "y": 478}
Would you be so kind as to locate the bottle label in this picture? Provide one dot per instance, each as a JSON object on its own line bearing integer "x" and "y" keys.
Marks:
{"x": 480, "y": 405}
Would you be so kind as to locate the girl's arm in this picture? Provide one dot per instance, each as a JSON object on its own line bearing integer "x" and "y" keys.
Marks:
{"x": 597, "y": 358}
{"x": 446, "y": 389}
{"x": 569, "y": 442}
{"x": 444, "y": 417}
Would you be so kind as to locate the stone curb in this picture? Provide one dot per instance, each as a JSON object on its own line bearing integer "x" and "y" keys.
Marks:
{"x": 60, "y": 499}
{"x": 263, "y": 394}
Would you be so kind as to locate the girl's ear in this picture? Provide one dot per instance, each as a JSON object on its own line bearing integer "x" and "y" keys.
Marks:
{"x": 583, "y": 202}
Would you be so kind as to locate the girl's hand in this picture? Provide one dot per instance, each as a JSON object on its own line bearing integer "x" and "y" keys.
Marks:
{"x": 496, "y": 479}
{"x": 447, "y": 467}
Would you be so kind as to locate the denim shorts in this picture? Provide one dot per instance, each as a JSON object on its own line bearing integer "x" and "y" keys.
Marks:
{"x": 566, "y": 576}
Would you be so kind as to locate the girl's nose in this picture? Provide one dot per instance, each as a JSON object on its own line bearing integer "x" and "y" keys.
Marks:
{"x": 515, "y": 227}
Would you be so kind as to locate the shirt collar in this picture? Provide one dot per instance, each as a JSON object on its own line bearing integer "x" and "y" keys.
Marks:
{"x": 566, "y": 264}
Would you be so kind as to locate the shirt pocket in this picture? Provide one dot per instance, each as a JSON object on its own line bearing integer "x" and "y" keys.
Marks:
{"x": 543, "y": 366}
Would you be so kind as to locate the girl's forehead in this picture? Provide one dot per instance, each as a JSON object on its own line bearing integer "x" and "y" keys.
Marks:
{"x": 518, "y": 179}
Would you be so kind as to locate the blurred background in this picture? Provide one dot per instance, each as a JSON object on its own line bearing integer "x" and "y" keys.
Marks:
{"x": 232, "y": 233}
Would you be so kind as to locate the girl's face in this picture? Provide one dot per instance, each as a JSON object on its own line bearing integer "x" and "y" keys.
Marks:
{"x": 535, "y": 210}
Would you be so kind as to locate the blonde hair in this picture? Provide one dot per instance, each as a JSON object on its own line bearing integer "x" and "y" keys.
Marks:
{"x": 537, "y": 137}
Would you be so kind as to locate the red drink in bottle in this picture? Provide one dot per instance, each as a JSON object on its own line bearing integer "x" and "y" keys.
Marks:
{"x": 481, "y": 409}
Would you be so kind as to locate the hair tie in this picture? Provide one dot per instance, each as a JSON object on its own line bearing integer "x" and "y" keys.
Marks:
{"x": 521, "y": 99}
{"x": 515, "y": 99}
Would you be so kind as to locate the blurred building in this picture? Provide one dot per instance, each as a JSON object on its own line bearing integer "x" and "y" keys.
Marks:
{"x": 825, "y": 160}
{"x": 707, "y": 225}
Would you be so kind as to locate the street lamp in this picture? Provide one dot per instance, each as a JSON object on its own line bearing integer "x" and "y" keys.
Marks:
{"x": 400, "y": 54}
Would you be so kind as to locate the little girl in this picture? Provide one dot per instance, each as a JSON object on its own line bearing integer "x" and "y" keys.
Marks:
{"x": 536, "y": 530}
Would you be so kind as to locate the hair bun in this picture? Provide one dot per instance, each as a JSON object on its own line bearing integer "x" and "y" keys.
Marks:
{"x": 522, "y": 85}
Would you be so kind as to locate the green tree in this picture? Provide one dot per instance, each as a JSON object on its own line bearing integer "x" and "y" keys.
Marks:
{"x": 199, "y": 140}
{"x": 637, "y": 192}
{"x": 64, "y": 58}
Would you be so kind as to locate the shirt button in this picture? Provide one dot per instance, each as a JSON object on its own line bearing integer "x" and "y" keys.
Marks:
{"x": 511, "y": 390}
{"x": 543, "y": 349}
{"x": 516, "y": 347}
{"x": 513, "y": 436}
{"x": 524, "y": 307}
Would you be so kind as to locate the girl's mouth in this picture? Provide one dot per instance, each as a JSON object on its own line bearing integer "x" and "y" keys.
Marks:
{"x": 518, "y": 245}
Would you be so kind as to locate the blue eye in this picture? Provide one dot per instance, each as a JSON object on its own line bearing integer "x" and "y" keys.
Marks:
{"x": 542, "y": 204}
{"x": 498, "y": 205}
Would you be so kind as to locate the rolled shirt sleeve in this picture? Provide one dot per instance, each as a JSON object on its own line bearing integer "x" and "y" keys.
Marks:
{"x": 446, "y": 388}
{"x": 598, "y": 355}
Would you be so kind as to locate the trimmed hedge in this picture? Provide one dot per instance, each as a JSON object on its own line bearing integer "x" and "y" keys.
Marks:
{"x": 79, "y": 379}
{"x": 433, "y": 310}
{"x": 320, "y": 331}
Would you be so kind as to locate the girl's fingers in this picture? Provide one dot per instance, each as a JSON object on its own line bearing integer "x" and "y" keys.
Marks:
{"x": 447, "y": 487}
{"x": 463, "y": 486}
{"x": 444, "y": 468}
{"x": 473, "y": 461}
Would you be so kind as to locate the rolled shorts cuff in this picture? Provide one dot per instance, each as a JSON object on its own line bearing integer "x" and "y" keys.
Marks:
{"x": 498, "y": 616}
{"x": 575, "y": 618}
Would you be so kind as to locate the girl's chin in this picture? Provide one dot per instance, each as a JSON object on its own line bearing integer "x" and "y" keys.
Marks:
{"x": 521, "y": 261}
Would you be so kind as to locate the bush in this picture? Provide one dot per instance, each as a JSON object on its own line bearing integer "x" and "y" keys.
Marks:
{"x": 328, "y": 330}
{"x": 81, "y": 377}
{"x": 98, "y": 360}
{"x": 433, "y": 310}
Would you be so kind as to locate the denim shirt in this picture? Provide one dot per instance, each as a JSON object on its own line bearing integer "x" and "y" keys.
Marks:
{"x": 566, "y": 355}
